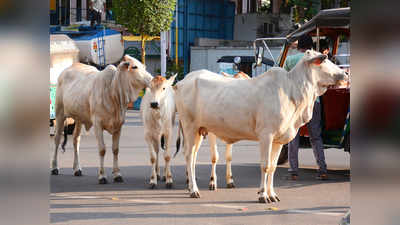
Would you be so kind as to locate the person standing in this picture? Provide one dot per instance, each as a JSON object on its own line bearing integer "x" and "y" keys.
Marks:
{"x": 97, "y": 7}
{"x": 314, "y": 126}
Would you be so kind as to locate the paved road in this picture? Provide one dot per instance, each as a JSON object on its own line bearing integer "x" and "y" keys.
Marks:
{"x": 80, "y": 200}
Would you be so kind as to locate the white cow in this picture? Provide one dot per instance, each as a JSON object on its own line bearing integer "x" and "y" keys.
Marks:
{"x": 228, "y": 151}
{"x": 99, "y": 99}
{"x": 269, "y": 108}
{"x": 158, "y": 113}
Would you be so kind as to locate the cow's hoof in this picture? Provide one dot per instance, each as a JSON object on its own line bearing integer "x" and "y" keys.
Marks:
{"x": 78, "y": 173}
{"x": 195, "y": 194}
{"x": 168, "y": 185}
{"x": 263, "y": 200}
{"x": 273, "y": 199}
{"x": 103, "y": 181}
{"x": 118, "y": 179}
{"x": 152, "y": 186}
{"x": 54, "y": 172}
{"x": 230, "y": 185}
{"x": 158, "y": 177}
{"x": 212, "y": 187}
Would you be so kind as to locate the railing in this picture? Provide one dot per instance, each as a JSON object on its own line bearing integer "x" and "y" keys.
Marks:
{"x": 65, "y": 15}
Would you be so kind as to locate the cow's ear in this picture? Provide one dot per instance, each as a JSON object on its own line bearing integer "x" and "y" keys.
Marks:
{"x": 172, "y": 79}
{"x": 317, "y": 60}
{"x": 126, "y": 58}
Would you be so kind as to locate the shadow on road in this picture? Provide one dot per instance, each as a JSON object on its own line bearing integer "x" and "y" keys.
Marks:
{"x": 137, "y": 177}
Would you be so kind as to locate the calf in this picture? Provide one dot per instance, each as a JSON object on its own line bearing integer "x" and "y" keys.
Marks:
{"x": 269, "y": 108}
{"x": 99, "y": 99}
{"x": 158, "y": 113}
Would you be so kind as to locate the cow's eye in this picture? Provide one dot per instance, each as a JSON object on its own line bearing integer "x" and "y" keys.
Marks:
{"x": 164, "y": 89}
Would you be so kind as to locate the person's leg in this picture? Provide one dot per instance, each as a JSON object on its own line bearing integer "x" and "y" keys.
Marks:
{"x": 293, "y": 155}
{"x": 314, "y": 128}
{"x": 92, "y": 17}
{"x": 98, "y": 18}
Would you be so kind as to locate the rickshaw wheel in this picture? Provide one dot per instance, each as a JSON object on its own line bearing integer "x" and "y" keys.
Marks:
{"x": 346, "y": 142}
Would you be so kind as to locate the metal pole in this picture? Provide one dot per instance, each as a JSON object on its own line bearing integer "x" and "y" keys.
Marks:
{"x": 163, "y": 45}
{"x": 317, "y": 39}
{"x": 176, "y": 33}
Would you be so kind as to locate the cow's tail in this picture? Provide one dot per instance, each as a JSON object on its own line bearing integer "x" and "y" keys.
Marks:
{"x": 65, "y": 138}
{"x": 162, "y": 142}
{"x": 178, "y": 140}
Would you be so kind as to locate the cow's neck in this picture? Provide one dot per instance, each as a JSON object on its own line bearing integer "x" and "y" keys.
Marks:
{"x": 123, "y": 92}
{"x": 303, "y": 93}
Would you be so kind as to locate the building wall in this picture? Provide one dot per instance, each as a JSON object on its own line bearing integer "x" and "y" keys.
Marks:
{"x": 245, "y": 28}
{"x": 201, "y": 18}
{"x": 253, "y": 25}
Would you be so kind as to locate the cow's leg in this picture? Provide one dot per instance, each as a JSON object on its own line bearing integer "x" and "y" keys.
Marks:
{"x": 76, "y": 142}
{"x": 192, "y": 140}
{"x": 152, "y": 143}
{"x": 212, "y": 139}
{"x": 167, "y": 158}
{"x": 273, "y": 161}
{"x": 157, "y": 150}
{"x": 115, "y": 148}
{"x": 57, "y": 138}
{"x": 197, "y": 146}
{"x": 228, "y": 158}
{"x": 265, "y": 149}
{"x": 102, "y": 152}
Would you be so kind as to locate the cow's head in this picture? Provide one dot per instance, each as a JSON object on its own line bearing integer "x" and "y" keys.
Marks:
{"x": 159, "y": 89}
{"x": 323, "y": 72}
{"x": 136, "y": 72}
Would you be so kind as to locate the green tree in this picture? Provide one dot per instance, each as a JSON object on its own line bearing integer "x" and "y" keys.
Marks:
{"x": 144, "y": 17}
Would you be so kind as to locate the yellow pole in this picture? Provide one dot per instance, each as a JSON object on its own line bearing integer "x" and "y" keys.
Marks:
{"x": 176, "y": 34}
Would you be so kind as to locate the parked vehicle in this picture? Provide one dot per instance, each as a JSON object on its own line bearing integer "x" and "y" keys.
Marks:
{"x": 233, "y": 64}
{"x": 332, "y": 25}
{"x": 98, "y": 46}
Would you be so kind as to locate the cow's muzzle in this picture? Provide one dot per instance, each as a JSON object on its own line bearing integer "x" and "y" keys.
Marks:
{"x": 154, "y": 105}
{"x": 342, "y": 79}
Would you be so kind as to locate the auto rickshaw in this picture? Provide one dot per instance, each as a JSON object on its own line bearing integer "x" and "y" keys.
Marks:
{"x": 233, "y": 64}
{"x": 332, "y": 25}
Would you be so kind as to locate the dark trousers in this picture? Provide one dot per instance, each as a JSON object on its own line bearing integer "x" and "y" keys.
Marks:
{"x": 314, "y": 129}
{"x": 94, "y": 17}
